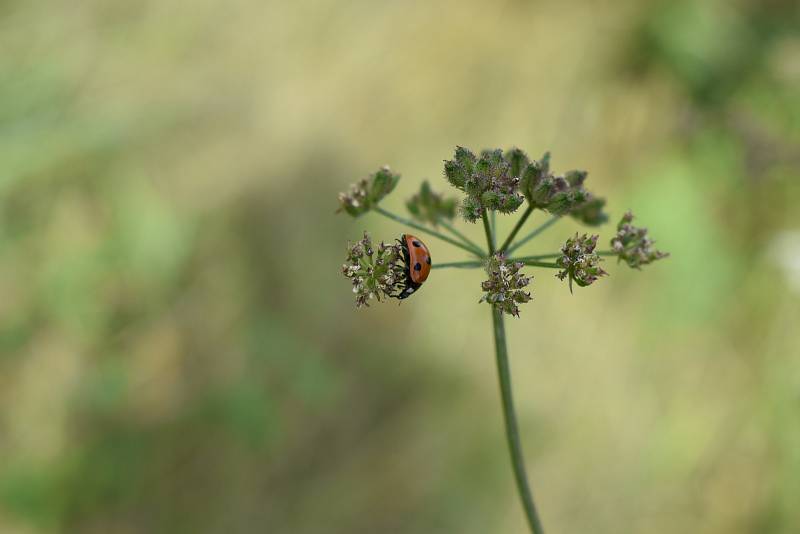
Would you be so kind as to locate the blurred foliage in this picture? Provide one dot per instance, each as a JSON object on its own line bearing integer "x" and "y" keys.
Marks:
{"x": 179, "y": 353}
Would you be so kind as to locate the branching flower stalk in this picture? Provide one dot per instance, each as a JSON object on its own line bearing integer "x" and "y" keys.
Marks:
{"x": 492, "y": 182}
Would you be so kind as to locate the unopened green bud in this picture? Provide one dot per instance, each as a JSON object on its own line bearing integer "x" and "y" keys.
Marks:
{"x": 493, "y": 156}
{"x": 476, "y": 184}
{"x": 465, "y": 158}
{"x": 518, "y": 161}
{"x": 455, "y": 174}
{"x": 532, "y": 181}
{"x": 561, "y": 196}
{"x": 383, "y": 182}
{"x": 471, "y": 209}
{"x": 509, "y": 203}
{"x": 483, "y": 166}
{"x": 490, "y": 199}
{"x": 576, "y": 178}
{"x": 590, "y": 212}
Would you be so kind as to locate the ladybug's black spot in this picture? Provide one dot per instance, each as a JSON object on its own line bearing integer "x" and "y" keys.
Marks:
{"x": 428, "y": 260}
{"x": 416, "y": 243}
{"x": 418, "y": 266}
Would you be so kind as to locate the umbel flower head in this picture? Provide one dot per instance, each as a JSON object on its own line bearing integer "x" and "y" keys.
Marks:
{"x": 375, "y": 273}
{"x": 428, "y": 206}
{"x": 489, "y": 182}
{"x": 579, "y": 261}
{"x": 632, "y": 244}
{"x": 367, "y": 193}
{"x": 505, "y": 287}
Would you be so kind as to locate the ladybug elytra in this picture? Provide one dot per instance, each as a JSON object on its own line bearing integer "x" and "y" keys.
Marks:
{"x": 417, "y": 260}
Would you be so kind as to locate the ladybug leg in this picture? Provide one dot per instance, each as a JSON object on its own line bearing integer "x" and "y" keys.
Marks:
{"x": 397, "y": 290}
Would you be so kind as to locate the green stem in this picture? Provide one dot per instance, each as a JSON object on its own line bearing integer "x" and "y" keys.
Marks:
{"x": 509, "y": 414}
{"x": 540, "y": 256}
{"x": 516, "y": 229}
{"x": 512, "y": 430}
{"x": 607, "y": 253}
{"x": 488, "y": 230}
{"x": 425, "y": 229}
{"x": 467, "y": 241}
{"x": 458, "y": 265}
{"x": 493, "y": 220}
{"x": 533, "y": 234}
{"x": 534, "y": 263}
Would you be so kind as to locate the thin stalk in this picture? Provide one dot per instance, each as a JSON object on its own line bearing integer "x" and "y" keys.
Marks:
{"x": 425, "y": 229}
{"x": 516, "y": 229}
{"x": 493, "y": 220}
{"x": 509, "y": 414}
{"x": 458, "y": 265}
{"x": 540, "y": 256}
{"x": 533, "y": 234}
{"x": 534, "y": 263}
{"x": 512, "y": 430}
{"x": 489, "y": 238}
{"x": 467, "y": 241}
{"x": 607, "y": 253}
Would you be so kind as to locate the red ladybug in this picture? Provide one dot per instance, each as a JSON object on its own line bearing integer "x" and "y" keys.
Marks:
{"x": 417, "y": 259}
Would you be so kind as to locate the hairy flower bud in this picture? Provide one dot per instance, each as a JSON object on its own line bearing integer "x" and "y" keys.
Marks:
{"x": 536, "y": 183}
{"x": 505, "y": 287}
{"x": 579, "y": 261}
{"x": 471, "y": 209}
{"x": 460, "y": 168}
{"x": 367, "y": 193}
{"x": 374, "y": 272}
{"x": 561, "y": 195}
{"x": 590, "y": 212}
{"x": 575, "y": 178}
{"x": 632, "y": 244}
{"x": 518, "y": 161}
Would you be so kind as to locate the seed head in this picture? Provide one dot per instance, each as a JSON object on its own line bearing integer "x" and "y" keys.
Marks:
{"x": 632, "y": 244}
{"x": 579, "y": 261}
{"x": 374, "y": 271}
{"x": 367, "y": 193}
{"x": 505, "y": 287}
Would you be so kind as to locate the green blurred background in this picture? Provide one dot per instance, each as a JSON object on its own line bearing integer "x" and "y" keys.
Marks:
{"x": 179, "y": 352}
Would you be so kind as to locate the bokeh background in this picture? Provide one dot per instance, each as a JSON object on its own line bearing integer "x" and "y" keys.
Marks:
{"x": 179, "y": 352}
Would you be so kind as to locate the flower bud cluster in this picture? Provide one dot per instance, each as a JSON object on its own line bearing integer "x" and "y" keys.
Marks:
{"x": 428, "y": 206}
{"x": 505, "y": 287}
{"x": 579, "y": 261}
{"x": 488, "y": 181}
{"x": 367, "y": 193}
{"x": 561, "y": 194}
{"x": 374, "y": 272}
{"x": 632, "y": 244}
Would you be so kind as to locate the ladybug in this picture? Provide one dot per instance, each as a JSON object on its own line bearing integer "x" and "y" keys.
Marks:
{"x": 417, "y": 264}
